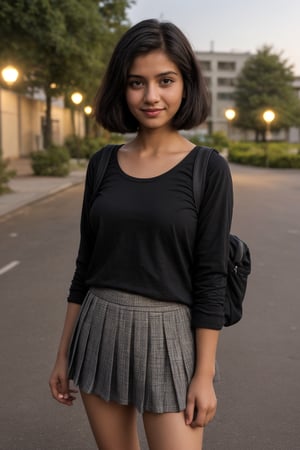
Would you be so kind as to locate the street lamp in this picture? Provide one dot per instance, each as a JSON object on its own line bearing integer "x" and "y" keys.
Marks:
{"x": 268, "y": 117}
{"x": 88, "y": 110}
{"x": 10, "y": 75}
{"x": 76, "y": 98}
{"x": 230, "y": 115}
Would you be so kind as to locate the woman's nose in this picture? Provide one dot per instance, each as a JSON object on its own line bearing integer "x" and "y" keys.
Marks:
{"x": 151, "y": 93}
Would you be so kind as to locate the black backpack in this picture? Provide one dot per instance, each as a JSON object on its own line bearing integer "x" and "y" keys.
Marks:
{"x": 239, "y": 263}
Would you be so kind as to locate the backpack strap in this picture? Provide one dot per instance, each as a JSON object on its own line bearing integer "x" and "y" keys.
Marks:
{"x": 199, "y": 174}
{"x": 102, "y": 164}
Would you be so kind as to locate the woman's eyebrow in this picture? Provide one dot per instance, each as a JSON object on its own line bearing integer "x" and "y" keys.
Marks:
{"x": 162, "y": 74}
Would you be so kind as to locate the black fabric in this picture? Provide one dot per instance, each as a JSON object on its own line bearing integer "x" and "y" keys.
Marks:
{"x": 239, "y": 268}
{"x": 145, "y": 236}
{"x": 239, "y": 261}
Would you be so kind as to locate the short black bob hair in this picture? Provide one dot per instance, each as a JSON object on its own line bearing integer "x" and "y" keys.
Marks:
{"x": 111, "y": 110}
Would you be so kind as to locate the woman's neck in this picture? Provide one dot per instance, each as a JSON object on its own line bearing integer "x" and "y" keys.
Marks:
{"x": 159, "y": 141}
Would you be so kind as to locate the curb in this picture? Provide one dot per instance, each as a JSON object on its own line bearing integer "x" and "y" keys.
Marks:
{"x": 17, "y": 209}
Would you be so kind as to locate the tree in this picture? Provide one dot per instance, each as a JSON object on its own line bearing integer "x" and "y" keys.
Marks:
{"x": 59, "y": 45}
{"x": 265, "y": 82}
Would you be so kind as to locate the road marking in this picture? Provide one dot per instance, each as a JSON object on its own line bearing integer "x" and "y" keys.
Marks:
{"x": 9, "y": 267}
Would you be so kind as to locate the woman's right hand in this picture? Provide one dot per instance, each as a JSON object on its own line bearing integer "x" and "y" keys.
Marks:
{"x": 59, "y": 383}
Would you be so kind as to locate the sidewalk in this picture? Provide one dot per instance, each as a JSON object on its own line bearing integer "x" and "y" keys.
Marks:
{"x": 27, "y": 188}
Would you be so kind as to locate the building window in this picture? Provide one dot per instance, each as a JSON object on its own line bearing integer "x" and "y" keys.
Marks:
{"x": 205, "y": 65}
{"x": 225, "y": 96}
{"x": 226, "y": 65}
{"x": 207, "y": 81}
{"x": 226, "y": 81}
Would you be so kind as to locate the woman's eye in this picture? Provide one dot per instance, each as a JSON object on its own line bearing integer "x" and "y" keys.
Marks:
{"x": 166, "y": 81}
{"x": 135, "y": 84}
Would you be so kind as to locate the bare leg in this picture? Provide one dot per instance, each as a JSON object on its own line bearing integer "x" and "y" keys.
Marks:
{"x": 114, "y": 426}
{"x": 169, "y": 431}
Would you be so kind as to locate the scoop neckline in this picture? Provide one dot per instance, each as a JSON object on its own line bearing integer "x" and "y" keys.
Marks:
{"x": 156, "y": 177}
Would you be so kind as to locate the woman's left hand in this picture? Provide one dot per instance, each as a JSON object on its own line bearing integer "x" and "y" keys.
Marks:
{"x": 201, "y": 401}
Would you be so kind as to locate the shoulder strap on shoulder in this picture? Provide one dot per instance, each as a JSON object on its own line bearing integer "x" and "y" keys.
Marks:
{"x": 199, "y": 173}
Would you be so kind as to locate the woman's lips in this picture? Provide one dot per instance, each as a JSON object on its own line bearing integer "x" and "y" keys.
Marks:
{"x": 152, "y": 112}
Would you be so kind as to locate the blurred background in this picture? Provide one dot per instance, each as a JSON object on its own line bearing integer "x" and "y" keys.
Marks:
{"x": 52, "y": 58}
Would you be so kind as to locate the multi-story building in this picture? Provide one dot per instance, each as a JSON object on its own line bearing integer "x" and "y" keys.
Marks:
{"x": 294, "y": 132}
{"x": 221, "y": 70}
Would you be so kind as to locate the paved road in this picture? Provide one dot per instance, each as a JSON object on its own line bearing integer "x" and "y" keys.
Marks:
{"x": 259, "y": 358}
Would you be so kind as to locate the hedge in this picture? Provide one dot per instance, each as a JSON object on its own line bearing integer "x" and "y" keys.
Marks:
{"x": 274, "y": 155}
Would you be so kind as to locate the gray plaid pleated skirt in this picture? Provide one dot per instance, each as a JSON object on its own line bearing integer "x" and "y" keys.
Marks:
{"x": 133, "y": 350}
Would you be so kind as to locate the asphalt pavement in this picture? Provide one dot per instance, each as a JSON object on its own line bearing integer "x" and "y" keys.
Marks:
{"x": 258, "y": 358}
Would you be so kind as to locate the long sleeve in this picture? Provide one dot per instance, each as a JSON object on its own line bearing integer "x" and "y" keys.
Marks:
{"x": 212, "y": 246}
{"x": 78, "y": 288}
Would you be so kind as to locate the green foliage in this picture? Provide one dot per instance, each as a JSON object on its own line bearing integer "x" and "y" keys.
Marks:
{"x": 265, "y": 82}
{"x": 275, "y": 155}
{"x": 65, "y": 42}
{"x": 5, "y": 176}
{"x": 217, "y": 140}
{"x": 84, "y": 148}
{"x": 52, "y": 162}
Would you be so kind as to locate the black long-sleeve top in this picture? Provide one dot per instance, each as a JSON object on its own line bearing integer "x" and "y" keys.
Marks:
{"x": 145, "y": 236}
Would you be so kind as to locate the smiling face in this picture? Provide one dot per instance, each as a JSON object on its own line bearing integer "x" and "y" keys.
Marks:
{"x": 154, "y": 90}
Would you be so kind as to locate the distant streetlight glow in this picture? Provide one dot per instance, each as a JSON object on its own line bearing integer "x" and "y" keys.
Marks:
{"x": 268, "y": 116}
{"x": 10, "y": 75}
{"x": 76, "y": 98}
{"x": 88, "y": 110}
{"x": 230, "y": 114}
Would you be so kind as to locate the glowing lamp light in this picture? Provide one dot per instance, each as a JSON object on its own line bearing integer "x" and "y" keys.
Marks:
{"x": 76, "y": 98}
{"x": 268, "y": 116}
{"x": 230, "y": 114}
{"x": 88, "y": 110}
{"x": 10, "y": 75}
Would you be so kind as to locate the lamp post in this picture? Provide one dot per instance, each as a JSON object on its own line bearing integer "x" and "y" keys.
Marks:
{"x": 88, "y": 111}
{"x": 268, "y": 117}
{"x": 230, "y": 115}
{"x": 9, "y": 75}
{"x": 77, "y": 98}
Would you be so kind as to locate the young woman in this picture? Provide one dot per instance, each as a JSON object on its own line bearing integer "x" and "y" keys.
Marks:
{"x": 146, "y": 301}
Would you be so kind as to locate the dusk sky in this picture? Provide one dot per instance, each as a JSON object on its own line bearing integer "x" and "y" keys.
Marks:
{"x": 231, "y": 24}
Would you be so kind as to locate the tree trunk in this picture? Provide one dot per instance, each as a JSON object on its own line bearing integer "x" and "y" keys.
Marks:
{"x": 48, "y": 123}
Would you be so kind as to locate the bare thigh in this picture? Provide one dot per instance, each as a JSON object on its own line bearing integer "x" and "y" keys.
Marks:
{"x": 114, "y": 426}
{"x": 169, "y": 431}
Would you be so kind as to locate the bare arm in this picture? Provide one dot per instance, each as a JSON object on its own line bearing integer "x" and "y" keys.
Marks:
{"x": 59, "y": 383}
{"x": 201, "y": 397}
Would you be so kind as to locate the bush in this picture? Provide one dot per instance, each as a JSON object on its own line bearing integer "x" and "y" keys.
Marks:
{"x": 5, "y": 176}
{"x": 274, "y": 155}
{"x": 217, "y": 140}
{"x": 53, "y": 162}
{"x": 84, "y": 148}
